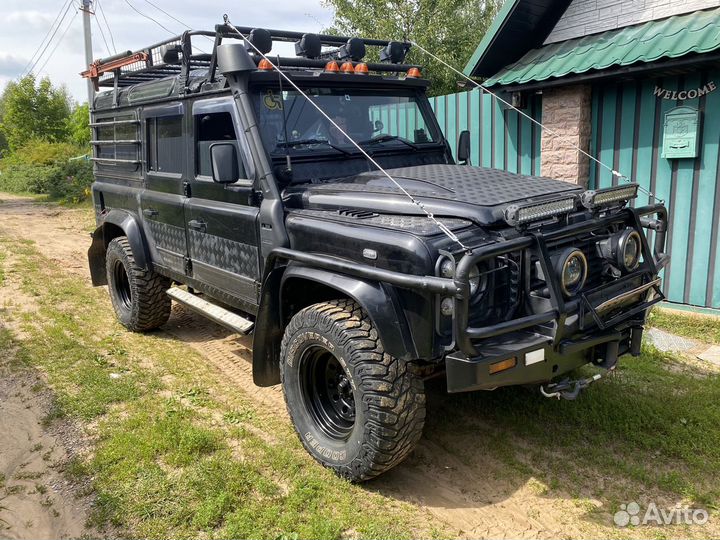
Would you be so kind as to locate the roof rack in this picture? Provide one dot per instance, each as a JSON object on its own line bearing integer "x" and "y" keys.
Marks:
{"x": 177, "y": 56}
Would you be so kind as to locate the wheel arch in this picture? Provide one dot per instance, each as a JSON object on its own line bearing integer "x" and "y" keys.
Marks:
{"x": 288, "y": 290}
{"x": 111, "y": 225}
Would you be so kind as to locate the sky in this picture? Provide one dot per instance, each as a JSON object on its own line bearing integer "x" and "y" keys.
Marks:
{"x": 24, "y": 24}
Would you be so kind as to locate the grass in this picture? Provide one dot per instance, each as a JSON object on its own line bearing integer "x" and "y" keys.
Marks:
{"x": 704, "y": 328}
{"x": 175, "y": 452}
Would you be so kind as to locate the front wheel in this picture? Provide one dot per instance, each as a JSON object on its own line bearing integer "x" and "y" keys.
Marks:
{"x": 138, "y": 296}
{"x": 356, "y": 409}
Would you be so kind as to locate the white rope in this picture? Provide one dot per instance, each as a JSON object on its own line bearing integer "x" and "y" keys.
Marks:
{"x": 543, "y": 127}
{"x": 419, "y": 204}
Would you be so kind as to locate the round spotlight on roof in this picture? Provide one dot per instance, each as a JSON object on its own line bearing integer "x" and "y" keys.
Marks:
{"x": 394, "y": 52}
{"x": 262, "y": 39}
{"x": 309, "y": 46}
{"x": 354, "y": 50}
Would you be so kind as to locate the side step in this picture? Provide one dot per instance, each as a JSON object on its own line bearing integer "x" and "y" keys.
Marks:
{"x": 222, "y": 316}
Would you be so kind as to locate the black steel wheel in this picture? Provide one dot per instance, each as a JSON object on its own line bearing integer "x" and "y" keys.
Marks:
{"x": 327, "y": 392}
{"x": 138, "y": 295}
{"x": 356, "y": 409}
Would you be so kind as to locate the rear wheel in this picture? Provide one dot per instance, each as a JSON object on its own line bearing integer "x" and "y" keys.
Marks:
{"x": 138, "y": 296}
{"x": 356, "y": 409}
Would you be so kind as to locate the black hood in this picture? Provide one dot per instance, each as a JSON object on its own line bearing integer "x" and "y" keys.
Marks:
{"x": 476, "y": 193}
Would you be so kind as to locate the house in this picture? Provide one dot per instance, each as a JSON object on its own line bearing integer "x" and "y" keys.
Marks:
{"x": 633, "y": 82}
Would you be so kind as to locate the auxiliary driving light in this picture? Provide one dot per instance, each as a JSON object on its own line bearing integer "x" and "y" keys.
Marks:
{"x": 309, "y": 46}
{"x": 394, "y": 52}
{"x": 519, "y": 214}
{"x": 623, "y": 249}
{"x": 572, "y": 267}
{"x": 593, "y": 198}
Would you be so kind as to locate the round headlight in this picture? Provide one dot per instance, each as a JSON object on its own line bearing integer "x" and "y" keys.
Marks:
{"x": 629, "y": 250}
{"x": 447, "y": 270}
{"x": 572, "y": 269}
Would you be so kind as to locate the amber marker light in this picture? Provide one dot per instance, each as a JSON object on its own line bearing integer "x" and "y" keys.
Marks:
{"x": 332, "y": 67}
{"x": 347, "y": 67}
{"x": 414, "y": 73}
{"x": 361, "y": 69}
{"x": 265, "y": 65}
{"x": 502, "y": 365}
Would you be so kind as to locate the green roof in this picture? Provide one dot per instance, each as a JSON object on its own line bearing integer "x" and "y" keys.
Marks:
{"x": 697, "y": 32}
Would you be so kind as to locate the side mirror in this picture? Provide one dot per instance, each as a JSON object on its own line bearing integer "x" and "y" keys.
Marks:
{"x": 463, "y": 149}
{"x": 224, "y": 159}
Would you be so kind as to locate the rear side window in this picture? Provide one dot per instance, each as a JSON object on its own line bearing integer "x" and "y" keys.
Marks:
{"x": 117, "y": 144}
{"x": 213, "y": 128}
{"x": 165, "y": 144}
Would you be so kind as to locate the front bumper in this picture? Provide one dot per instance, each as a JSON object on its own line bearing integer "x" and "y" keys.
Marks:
{"x": 600, "y": 325}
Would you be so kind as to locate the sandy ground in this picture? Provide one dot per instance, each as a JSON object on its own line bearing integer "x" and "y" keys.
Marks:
{"x": 464, "y": 493}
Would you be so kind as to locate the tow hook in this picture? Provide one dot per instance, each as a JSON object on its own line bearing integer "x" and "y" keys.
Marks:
{"x": 568, "y": 389}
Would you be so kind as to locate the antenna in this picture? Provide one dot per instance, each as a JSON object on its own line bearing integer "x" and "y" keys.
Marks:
{"x": 440, "y": 225}
{"x": 288, "y": 164}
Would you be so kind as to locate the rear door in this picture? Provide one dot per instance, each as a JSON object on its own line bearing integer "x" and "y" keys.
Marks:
{"x": 163, "y": 198}
{"x": 222, "y": 219}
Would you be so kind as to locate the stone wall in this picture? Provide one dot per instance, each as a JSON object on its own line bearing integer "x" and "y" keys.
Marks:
{"x": 566, "y": 111}
{"x": 584, "y": 17}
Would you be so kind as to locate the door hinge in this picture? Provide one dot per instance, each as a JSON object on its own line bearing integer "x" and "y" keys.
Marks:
{"x": 186, "y": 189}
{"x": 188, "y": 266}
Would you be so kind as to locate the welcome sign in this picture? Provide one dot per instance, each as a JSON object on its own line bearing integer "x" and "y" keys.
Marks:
{"x": 682, "y": 95}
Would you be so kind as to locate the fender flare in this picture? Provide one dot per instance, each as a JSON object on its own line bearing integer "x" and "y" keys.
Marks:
{"x": 378, "y": 300}
{"x": 107, "y": 229}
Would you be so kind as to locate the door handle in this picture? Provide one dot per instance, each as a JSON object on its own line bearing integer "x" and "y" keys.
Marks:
{"x": 197, "y": 224}
{"x": 150, "y": 212}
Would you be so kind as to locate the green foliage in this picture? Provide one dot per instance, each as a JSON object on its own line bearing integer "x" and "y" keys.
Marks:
{"x": 79, "y": 125}
{"x": 450, "y": 29}
{"x": 38, "y": 151}
{"x": 34, "y": 109}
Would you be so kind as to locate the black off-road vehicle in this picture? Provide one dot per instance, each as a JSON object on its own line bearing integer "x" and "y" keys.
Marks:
{"x": 219, "y": 185}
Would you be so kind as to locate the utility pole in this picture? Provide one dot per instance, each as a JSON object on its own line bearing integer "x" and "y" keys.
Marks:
{"x": 86, "y": 9}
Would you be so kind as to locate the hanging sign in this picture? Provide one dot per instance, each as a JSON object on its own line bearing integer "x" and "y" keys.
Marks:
{"x": 682, "y": 95}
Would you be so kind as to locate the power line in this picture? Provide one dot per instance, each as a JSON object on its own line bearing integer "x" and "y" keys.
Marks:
{"x": 57, "y": 44}
{"x": 32, "y": 58}
{"x": 136, "y": 10}
{"x": 173, "y": 17}
{"x": 102, "y": 34}
{"x": 102, "y": 13}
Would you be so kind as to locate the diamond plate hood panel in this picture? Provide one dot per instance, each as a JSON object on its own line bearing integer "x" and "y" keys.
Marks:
{"x": 475, "y": 193}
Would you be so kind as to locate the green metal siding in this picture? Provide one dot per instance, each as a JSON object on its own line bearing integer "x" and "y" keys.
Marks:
{"x": 500, "y": 138}
{"x": 627, "y": 130}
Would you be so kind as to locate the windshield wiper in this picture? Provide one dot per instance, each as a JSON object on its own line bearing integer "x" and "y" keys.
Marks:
{"x": 302, "y": 142}
{"x": 386, "y": 138}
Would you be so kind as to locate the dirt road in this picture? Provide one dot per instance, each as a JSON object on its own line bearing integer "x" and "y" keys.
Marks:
{"x": 473, "y": 494}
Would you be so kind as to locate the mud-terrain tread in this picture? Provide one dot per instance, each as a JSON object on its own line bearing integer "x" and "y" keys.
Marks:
{"x": 393, "y": 395}
{"x": 151, "y": 303}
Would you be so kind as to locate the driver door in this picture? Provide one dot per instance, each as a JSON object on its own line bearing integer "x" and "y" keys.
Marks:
{"x": 222, "y": 219}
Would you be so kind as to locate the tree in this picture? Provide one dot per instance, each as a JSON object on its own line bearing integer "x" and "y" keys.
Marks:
{"x": 450, "y": 29}
{"x": 33, "y": 109}
{"x": 79, "y": 125}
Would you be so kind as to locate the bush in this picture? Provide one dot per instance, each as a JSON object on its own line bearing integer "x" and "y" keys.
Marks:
{"x": 44, "y": 168}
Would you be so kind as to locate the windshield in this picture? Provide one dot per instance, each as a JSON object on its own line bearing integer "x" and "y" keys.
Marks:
{"x": 375, "y": 119}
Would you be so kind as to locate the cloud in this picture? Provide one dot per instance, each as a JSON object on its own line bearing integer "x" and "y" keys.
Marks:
{"x": 11, "y": 65}
{"x": 22, "y": 28}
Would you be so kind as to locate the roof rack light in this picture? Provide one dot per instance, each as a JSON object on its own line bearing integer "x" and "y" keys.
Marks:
{"x": 262, "y": 39}
{"x": 593, "y": 198}
{"x": 354, "y": 50}
{"x": 394, "y": 52}
{"x": 309, "y": 46}
{"x": 520, "y": 214}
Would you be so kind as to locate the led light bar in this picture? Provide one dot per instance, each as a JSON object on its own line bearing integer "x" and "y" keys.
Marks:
{"x": 519, "y": 214}
{"x": 593, "y": 198}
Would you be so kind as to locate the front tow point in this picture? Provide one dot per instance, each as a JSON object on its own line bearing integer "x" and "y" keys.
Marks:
{"x": 568, "y": 389}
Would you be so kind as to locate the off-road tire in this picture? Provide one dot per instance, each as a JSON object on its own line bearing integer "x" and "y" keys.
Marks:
{"x": 388, "y": 395}
{"x": 138, "y": 296}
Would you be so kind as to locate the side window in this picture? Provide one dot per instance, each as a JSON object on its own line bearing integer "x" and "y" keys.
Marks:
{"x": 116, "y": 143}
{"x": 165, "y": 144}
{"x": 213, "y": 128}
